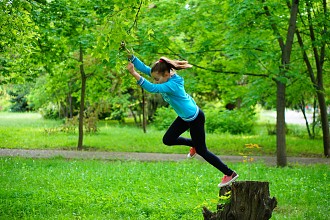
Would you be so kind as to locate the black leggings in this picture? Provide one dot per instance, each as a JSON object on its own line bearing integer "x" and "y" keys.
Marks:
{"x": 197, "y": 140}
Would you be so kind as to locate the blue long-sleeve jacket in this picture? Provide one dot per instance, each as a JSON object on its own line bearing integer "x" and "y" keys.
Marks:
{"x": 172, "y": 92}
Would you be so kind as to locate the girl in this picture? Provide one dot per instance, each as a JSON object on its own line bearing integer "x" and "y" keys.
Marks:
{"x": 190, "y": 116}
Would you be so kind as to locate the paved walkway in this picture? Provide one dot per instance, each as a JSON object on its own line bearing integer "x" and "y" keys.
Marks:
{"x": 70, "y": 154}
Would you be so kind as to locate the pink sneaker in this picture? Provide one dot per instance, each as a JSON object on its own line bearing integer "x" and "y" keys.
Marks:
{"x": 192, "y": 153}
{"x": 226, "y": 180}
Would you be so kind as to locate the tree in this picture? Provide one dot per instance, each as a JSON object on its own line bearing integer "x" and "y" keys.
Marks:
{"x": 235, "y": 53}
{"x": 316, "y": 25}
{"x": 18, "y": 98}
{"x": 286, "y": 48}
{"x": 252, "y": 40}
{"x": 243, "y": 45}
{"x": 87, "y": 32}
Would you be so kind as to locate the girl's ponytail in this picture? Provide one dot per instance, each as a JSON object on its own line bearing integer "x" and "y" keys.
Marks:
{"x": 164, "y": 64}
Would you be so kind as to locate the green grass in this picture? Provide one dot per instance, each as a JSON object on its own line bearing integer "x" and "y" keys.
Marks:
{"x": 30, "y": 131}
{"x": 95, "y": 189}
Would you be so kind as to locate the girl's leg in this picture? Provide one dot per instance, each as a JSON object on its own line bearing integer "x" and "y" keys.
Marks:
{"x": 197, "y": 133}
{"x": 172, "y": 135}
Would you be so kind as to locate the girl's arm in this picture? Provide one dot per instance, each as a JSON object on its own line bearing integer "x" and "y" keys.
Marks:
{"x": 139, "y": 65}
{"x": 166, "y": 87}
{"x": 132, "y": 71}
{"x": 150, "y": 87}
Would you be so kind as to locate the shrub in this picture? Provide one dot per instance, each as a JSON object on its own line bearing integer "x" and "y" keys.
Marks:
{"x": 271, "y": 129}
{"x": 163, "y": 118}
{"x": 70, "y": 125}
{"x": 19, "y": 101}
{"x": 218, "y": 120}
{"x": 237, "y": 121}
{"x": 50, "y": 112}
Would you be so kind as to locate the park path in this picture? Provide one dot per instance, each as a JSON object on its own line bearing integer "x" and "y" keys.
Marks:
{"x": 73, "y": 154}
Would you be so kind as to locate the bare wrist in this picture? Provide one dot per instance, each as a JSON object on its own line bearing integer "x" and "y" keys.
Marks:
{"x": 136, "y": 75}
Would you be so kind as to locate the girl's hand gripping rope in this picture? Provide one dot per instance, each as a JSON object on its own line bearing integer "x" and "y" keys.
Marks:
{"x": 124, "y": 48}
{"x": 130, "y": 68}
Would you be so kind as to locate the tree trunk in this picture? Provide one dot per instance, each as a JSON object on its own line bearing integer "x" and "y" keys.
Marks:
{"x": 281, "y": 87}
{"x": 82, "y": 100}
{"x": 314, "y": 115}
{"x": 302, "y": 107}
{"x": 69, "y": 103}
{"x": 324, "y": 122}
{"x": 249, "y": 200}
{"x": 286, "y": 49}
{"x": 144, "y": 117}
{"x": 134, "y": 116}
{"x": 280, "y": 125}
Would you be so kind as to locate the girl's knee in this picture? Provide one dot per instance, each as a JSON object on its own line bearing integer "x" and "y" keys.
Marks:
{"x": 201, "y": 150}
{"x": 167, "y": 141}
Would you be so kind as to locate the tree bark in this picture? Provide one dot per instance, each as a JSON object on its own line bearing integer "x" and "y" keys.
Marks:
{"x": 324, "y": 123}
{"x": 280, "y": 80}
{"x": 144, "y": 117}
{"x": 302, "y": 107}
{"x": 250, "y": 200}
{"x": 281, "y": 86}
{"x": 82, "y": 99}
{"x": 280, "y": 125}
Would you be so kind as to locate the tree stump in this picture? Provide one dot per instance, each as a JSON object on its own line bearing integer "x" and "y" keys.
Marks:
{"x": 249, "y": 201}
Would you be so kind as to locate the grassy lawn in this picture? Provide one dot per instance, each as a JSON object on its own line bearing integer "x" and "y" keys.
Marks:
{"x": 30, "y": 131}
{"x": 94, "y": 189}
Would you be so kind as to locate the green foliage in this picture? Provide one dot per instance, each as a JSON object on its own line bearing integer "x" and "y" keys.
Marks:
{"x": 271, "y": 129}
{"x": 225, "y": 199}
{"x": 18, "y": 34}
{"x": 18, "y": 98}
{"x": 90, "y": 123}
{"x": 59, "y": 27}
{"x": 4, "y": 99}
{"x": 50, "y": 112}
{"x": 19, "y": 102}
{"x": 237, "y": 121}
{"x": 118, "y": 107}
{"x": 97, "y": 27}
{"x": 164, "y": 117}
{"x": 235, "y": 53}
{"x": 70, "y": 125}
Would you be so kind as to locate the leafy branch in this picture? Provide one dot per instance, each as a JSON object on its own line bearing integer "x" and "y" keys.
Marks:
{"x": 209, "y": 69}
{"x": 229, "y": 72}
{"x": 136, "y": 18}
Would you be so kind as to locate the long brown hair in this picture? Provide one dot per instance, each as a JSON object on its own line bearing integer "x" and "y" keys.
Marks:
{"x": 166, "y": 65}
